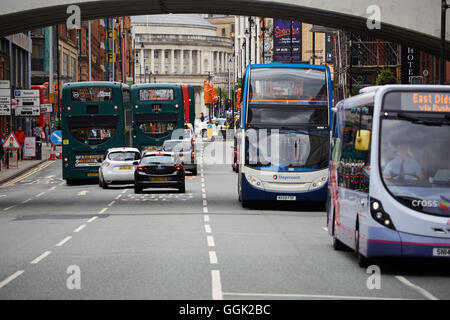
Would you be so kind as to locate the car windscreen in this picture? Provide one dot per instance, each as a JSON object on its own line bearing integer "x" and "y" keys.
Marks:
{"x": 124, "y": 156}
{"x": 148, "y": 160}
{"x": 178, "y": 146}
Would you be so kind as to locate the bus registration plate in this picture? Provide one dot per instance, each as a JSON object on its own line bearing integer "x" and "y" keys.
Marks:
{"x": 441, "y": 252}
{"x": 286, "y": 198}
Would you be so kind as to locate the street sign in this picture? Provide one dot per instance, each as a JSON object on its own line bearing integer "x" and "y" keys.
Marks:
{"x": 29, "y": 148}
{"x": 47, "y": 107}
{"x": 5, "y": 102}
{"x": 56, "y": 137}
{"x": 11, "y": 142}
{"x": 28, "y": 103}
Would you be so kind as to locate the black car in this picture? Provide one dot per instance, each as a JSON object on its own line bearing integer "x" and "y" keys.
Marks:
{"x": 159, "y": 170}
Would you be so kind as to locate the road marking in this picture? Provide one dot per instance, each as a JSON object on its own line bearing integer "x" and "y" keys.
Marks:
{"x": 40, "y": 194}
{"x": 11, "y": 278}
{"x": 61, "y": 243}
{"x": 92, "y": 219}
{"x": 103, "y": 210}
{"x": 210, "y": 241}
{"x": 310, "y": 296}
{"x": 205, "y": 203}
{"x": 83, "y": 192}
{"x": 28, "y": 200}
{"x": 124, "y": 190}
{"x": 203, "y": 196}
{"x": 2, "y": 195}
{"x": 203, "y": 190}
{"x": 52, "y": 188}
{"x": 27, "y": 174}
{"x": 205, "y": 210}
{"x": 41, "y": 257}
{"x": 206, "y": 218}
{"x": 417, "y": 288}
{"x": 325, "y": 229}
{"x": 216, "y": 285}
{"x": 79, "y": 228}
{"x": 203, "y": 180}
{"x": 118, "y": 196}
{"x": 212, "y": 257}
{"x": 10, "y": 207}
{"x": 111, "y": 203}
{"x": 207, "y": 228}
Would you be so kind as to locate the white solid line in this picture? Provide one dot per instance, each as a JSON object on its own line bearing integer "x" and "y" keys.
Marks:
{"x": 9, "y": 207}
{"x": 103, "y": 210}
{"x": 212, "y": 257}
{"x": 92, "y": 219}
{"x": 41, "y": 257}
{"x": 216, "y": 285}
{"x": 207, "y": 228}
{"x": 306, "y": 296}
{"x": 111, "y": 203}
{"x": 206, "y": 218}
{"x": 61, "y": 243}
{"x": 118, "y": 196}
{"x": 210, "y": 240}
{"x": 205, "y": 210}
{"x": 40, "y": 194}
{"x": 11, "y": 278}
{"x": 417, "y": 288}
{"x": 79, "y": 228}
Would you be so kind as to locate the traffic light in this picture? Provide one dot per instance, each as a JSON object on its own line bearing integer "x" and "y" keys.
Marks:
{"x": 399, "y": 73}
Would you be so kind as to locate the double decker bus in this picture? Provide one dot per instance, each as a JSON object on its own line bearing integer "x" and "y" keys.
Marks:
{"x": 158, "y": 113}
{"x": 285, "y": 141}
{"x": 389, "y": 191}
{"x": 95, "y": 116}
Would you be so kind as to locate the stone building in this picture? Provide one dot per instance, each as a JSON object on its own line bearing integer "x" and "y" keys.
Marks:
{"x": 180, "y": 48}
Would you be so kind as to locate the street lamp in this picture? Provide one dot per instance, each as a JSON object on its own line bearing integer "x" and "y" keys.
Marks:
{"x": 443, "y": 34}
{"x": 245, "y": 53}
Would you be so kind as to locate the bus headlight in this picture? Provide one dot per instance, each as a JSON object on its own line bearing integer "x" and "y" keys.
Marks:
{"x": 254, "y": 181}
{"x": 378, "y": 214}
{"x": 319, "y": 183}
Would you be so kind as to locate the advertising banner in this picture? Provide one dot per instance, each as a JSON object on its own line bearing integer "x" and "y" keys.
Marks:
{"x": 286, "y": 44}
{"x": 29, "y": 148}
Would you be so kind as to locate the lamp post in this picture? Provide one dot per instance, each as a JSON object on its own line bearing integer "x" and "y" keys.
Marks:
{"x": 245, "y": 54}
{"x": 443, "y": 36}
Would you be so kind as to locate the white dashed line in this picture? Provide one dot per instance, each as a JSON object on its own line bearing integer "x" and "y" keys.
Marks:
{"x": 28, "y": 200}
{"x": 62, "y": 242}
{"x": 212, "y": 257}
{"x": 205, "y": 203}
{"x": 417, "y": 288}
{"x": 205, "y": 210}
{"x": 41, "y": 257}
{"x": 103, "y": 210}
{"x": 124, "y": 190}
{"x": 52, "y": 188}
{"x": 207, "y": 228}
{"x": 216, "y": 285}
{"x": 118, "y": 196}
{"x": 210, "y": 241}
{"x": 206, "y": 218}
{"x": 92, "y": 219}
{"x": 11, "y": 278}
{"x": 10, "y": 207}
{"x": 111, "y": 203}
{"x": 40, "y": 194}
{"x": 79, "y": 228}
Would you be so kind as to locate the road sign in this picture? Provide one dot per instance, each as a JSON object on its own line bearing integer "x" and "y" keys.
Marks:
{"x": 56, "y": 137}
{"x": 5, "y": 102}
{"x": 28, "y": 103}
{"x": 11, "y": 142}
{"x": 47, "y": 107}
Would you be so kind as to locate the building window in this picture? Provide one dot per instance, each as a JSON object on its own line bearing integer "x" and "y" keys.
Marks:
{"x": 156, "y": 54}
{"x": 65, "y": 65}
{"x": 166, "y": 69}
{"x": 146, "y": 53}
{"x": 166, "y": 54}
{"x": 156, "y": 70}
{"x": 223, "y": 32}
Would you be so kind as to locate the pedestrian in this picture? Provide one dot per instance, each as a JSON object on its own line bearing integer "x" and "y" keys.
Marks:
{"x": 37, "y": 132}
{"x": 47, "y": 134}
{"x": 202, "y": 117}
{"x": 20, "y": 135}
{"x": 4, "y": 155}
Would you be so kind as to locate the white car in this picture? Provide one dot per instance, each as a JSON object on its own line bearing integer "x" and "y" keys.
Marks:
{"x": 118, "y": 168}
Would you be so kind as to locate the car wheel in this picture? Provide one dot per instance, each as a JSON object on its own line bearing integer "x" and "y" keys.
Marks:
{"x": 104, "y": 185}
{"x": 182, "y": 189}
{"x": 100, "y": 184}
{"x": 137, "y": 189}
{"x": 70, "y": 182}
{"x": 194, "y": 172}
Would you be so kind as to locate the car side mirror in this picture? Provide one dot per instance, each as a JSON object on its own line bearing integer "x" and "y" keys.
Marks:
{"x": 135, "y": 163}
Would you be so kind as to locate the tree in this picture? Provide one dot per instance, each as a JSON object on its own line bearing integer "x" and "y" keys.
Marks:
{"x": 386, "y": 76}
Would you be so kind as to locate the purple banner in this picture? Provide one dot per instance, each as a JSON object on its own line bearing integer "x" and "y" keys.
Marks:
{"x": 287, "y": 44}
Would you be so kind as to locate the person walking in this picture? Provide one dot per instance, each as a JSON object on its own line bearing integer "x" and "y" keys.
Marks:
{"x": 37, "y": 132}
{"x": 47, "y": 134}
{"x": 4, "y": 156}
{"x": 20, "y": 135}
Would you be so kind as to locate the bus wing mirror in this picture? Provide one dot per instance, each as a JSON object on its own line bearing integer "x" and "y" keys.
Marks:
{"x": 362, "y": 142}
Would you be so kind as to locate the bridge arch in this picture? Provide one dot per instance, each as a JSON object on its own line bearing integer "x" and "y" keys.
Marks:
{"x": 415, "y": 23}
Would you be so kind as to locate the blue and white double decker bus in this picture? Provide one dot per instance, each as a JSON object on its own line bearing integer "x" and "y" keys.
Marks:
{"x": 285, "y": 142}
{"x": 390, "y": 173}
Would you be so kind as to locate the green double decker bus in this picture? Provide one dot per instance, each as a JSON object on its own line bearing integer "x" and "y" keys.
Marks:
{"x": 95, "y": 116}
{"x": 158, "y": 114}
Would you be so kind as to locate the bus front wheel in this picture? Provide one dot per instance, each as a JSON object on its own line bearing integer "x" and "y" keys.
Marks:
{"x": 363, "y": 261}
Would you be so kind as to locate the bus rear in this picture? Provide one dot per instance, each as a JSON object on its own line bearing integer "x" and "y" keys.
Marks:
{"x": 93, "y": 120}
{"x": 158, "y": 111}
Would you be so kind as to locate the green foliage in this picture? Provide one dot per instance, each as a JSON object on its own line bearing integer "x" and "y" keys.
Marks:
{"x": 386, "y": 76}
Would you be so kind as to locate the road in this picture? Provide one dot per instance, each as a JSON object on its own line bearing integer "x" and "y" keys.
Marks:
{"x": 83, "y": 242}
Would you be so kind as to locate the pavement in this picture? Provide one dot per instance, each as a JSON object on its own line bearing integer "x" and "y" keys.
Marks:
{"x": 25, "y": 165}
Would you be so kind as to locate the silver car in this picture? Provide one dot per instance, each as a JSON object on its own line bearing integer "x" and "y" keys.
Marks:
{"x": 185, "y": 151}
{"x": 118, "y": 168}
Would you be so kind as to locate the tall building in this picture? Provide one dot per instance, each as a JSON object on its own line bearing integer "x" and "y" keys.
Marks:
{"x": 180, "y": 48}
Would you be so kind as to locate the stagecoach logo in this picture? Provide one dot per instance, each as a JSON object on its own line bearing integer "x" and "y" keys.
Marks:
{"x": 285, "y": 178}
{"x": 275, "y": 177}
